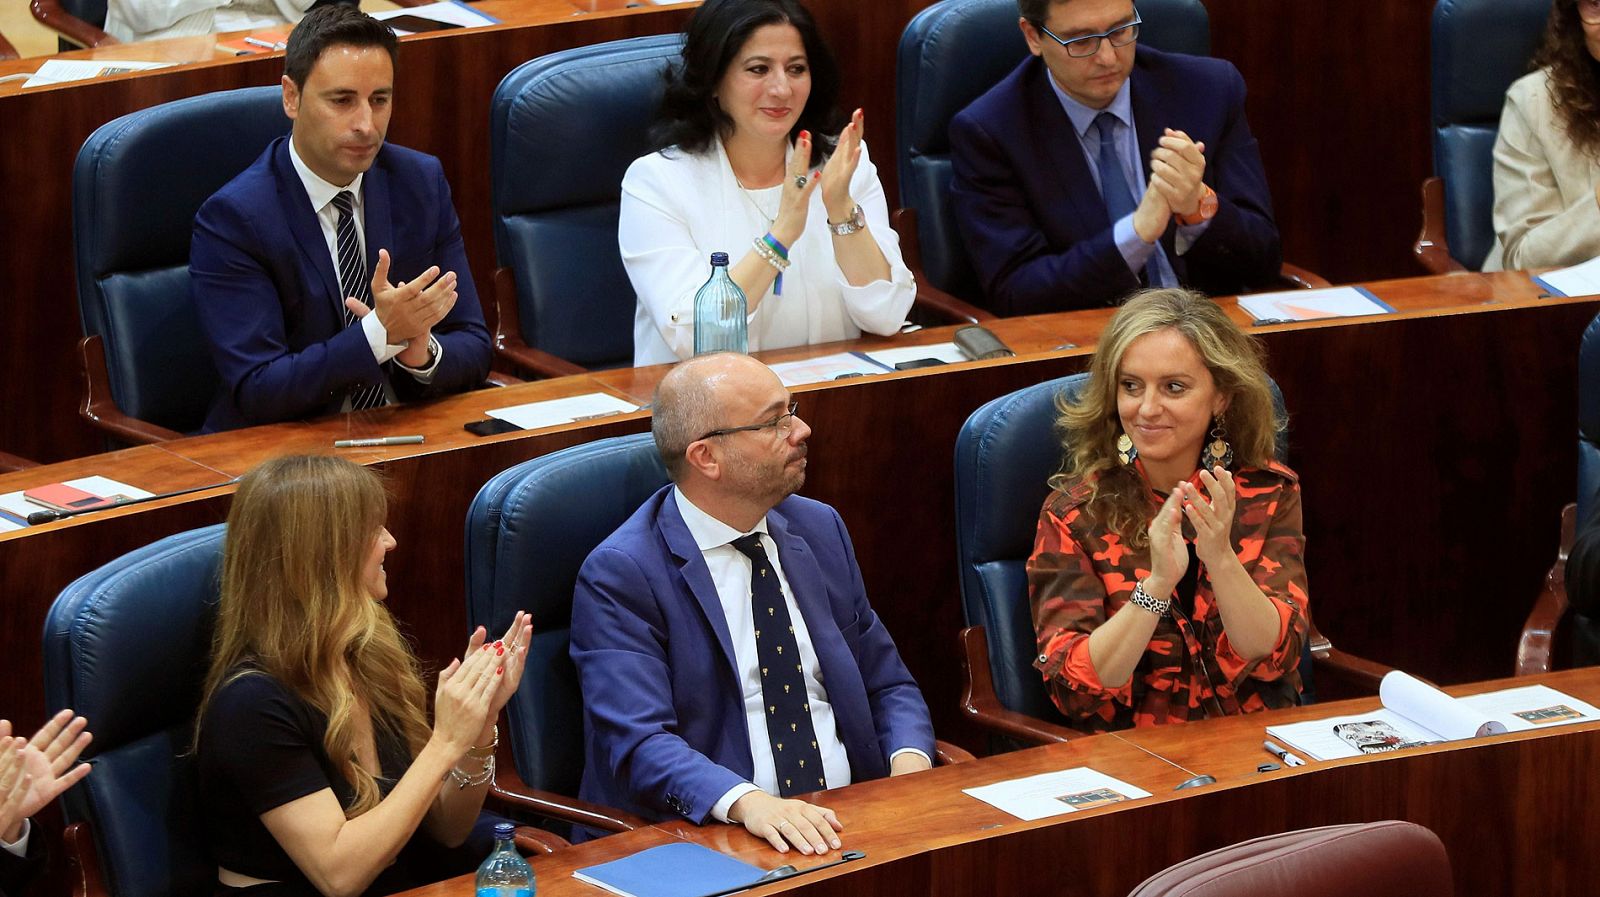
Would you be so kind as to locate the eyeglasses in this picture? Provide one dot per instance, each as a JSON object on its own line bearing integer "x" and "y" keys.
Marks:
{"x": 781, "y": 423}
{"x": 1120, "y": 36}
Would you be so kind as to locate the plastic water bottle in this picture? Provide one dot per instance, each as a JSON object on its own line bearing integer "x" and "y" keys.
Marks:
{"x": 505, "y": 873}
{"x": 719, "y": 312}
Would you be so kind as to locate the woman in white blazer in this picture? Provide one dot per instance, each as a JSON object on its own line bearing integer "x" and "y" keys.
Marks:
{"x": 1547, "y": 155}
{"x": 745, "y": 166}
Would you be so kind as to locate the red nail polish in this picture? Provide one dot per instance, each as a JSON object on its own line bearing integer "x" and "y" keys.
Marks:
{"x": 499, "y": 670}
{"x": 499, "y": 651}
{"x": 805, "y": 135}
{"x": 485, "y": 647}
{"x": 498, "y": 643}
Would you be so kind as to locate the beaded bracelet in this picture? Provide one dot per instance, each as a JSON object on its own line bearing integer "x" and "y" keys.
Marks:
{"x": 780, "y": 262}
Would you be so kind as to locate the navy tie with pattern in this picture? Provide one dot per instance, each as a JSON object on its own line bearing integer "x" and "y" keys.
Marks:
{"x": 353, "y": 280}
{"x": 783, "y": 682}
{"x": 1114, "y": 187}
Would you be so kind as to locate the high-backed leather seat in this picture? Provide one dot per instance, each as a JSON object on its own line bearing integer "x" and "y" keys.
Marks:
{"x": 136, "y": 186}
{"x": 528, "y": 532}
{"x": 563, "y": 130}
{"x": 126, "y": 646}
{"x": 1375, "y": 859}
{"x": 1479, "y": 48}
{"x": 950, "y": 54}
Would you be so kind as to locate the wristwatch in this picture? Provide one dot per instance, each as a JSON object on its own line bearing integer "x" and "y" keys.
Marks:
{"x": 1207, "y": 210}
{"x": 1142, "y": 599}
{"x": 855, "y": 222}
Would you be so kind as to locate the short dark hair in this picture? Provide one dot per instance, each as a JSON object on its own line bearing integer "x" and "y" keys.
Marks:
{"x": 689, "y": 116}
{"x": 328, "y": 25}
{"x": 1035, "y": 11}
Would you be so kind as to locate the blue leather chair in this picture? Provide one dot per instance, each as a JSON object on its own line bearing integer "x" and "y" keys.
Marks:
{"x": 1552, "y": 633}
{"x": 136, "y": 186}
{"x": 1479, "y": 48}
{"x": 528, "y": 532}
{"x": 126, "y": 647}
{"x": 563, "y": 130}
{"x": 1005, "y": 454}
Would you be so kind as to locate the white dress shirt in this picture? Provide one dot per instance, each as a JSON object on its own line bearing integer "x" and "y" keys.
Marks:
{"x": 140, "y": 20}
{"x": 730, "y": 573}
{"x": 20, "y": 846}
{"x": 678, "y": 208}
{"x": 322, "y": 194}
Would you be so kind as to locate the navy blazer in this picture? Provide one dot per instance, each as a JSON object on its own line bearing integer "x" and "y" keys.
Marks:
{"x": 268, "y": 296}
{"x": 1035, "y": 226}
{"x": 663, "y": 710}
{"x": 16, "y": 872}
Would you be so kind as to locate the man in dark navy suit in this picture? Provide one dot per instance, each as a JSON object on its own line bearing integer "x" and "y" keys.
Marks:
{"x": 33, "y": 772}
{"x": 1098, "y": 166}
{"x": 729, "y": 659}
{"x": 330, "y": 275}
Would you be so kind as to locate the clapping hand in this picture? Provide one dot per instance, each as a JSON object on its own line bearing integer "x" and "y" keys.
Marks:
{"x": 841, "y": 169}
{"x": 34, "y": 772}
{"x": 1169, "y": 559}
{"x": 1213, "y": 520}
{"x": 408, "y": 310}
{"x": 1177, "y": 167}
{"x": 794, "y": 200}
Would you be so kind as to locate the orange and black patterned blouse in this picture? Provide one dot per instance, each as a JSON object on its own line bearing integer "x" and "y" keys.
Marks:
{"x": 1079, "y": 575}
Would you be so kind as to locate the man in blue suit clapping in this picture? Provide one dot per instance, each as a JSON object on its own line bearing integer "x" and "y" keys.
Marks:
{"x": 1099, "y": 166}
{"x": 728, "y": 656}
{"x": 330, "y": 275}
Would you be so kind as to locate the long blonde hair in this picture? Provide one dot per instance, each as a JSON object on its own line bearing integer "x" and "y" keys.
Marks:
{"x": 1090, "y": 425}
{"x": 294, "y": 607}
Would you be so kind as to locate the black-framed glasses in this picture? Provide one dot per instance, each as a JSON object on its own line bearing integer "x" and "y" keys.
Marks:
{"x": 1089, "y": 44}
{"x": 781, "y": 423}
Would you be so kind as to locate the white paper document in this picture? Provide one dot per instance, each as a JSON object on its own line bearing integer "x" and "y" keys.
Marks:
{"x": 534, "y": 415}
{"x": 448, "y": 12}
{"x": 1415, "y": 713}
{"x": 60, "y": 71}
{"x": 1578, "y": 280}
{"x": 14, "y": 505}
{"x": 1310, "y": 305}
{"x": 1054, "y": 793}
{"x": 827, "y": 367}
{"x": 948, "y": 353}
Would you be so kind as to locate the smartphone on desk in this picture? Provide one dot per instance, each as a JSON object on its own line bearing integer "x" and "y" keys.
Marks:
{"x": 61, "y": 497}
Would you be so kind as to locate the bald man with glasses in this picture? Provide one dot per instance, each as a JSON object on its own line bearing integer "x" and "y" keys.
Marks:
{"x": 1099, "y": 166}
{"x": 729, "y": 660}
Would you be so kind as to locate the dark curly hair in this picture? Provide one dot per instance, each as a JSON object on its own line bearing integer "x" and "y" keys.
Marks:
{"x": 1574, "y": 76}
{"x": 690, "y": 117}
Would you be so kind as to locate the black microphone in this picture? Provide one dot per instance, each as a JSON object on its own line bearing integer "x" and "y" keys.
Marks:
{"x": 50, "y": 515}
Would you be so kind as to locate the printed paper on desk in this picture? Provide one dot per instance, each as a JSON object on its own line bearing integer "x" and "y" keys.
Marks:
{"x": 1311, "y": 305}
{"x": 60, "y": 71}
{"x": 534, "y": 415}
{"x": 14, "y": 503}
{"x": 1532, "y": 707}
{"x": 948, "y": 353}
{"x": 448, "y": 11}
{"x": 827, "y": 367}
{"x": 1054, "y": 793}
{"x": 1578, "y": 280}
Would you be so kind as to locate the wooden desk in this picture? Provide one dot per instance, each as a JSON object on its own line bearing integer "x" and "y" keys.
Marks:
{"x": 1513, "y": 812}
{"x": 1495, "y": 446}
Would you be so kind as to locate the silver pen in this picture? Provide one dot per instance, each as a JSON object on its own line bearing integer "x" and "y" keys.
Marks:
{"x": 384, "y": 440}
{"x": 1282, "y": 753}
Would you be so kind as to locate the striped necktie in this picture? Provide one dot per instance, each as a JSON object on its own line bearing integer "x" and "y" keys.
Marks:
{"x": 353, "y": 280}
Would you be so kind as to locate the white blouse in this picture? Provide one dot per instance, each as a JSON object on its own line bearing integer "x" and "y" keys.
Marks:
{"x": 678, "y": 208}
{"x": 139, "y": 20}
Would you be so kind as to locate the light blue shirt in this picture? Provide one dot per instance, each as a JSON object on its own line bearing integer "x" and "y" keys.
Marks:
{"x": 1135, "y": 251}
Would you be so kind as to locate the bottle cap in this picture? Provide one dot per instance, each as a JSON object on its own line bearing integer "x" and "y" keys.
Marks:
{"x": 504, "y": 830}
{"x": 719, "y": 259}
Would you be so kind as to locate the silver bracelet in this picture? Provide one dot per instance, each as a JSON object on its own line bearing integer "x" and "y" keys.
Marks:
{"x": 1142, "y": 599}
{"x": 464, "y": 780}
{"x": 772, "y": 258}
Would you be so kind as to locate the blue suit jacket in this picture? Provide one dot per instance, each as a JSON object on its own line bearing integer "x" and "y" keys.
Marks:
{"x": 664, "y": 712}
{"x": 1034, "y": 224}
{"x": 268, "y": 296}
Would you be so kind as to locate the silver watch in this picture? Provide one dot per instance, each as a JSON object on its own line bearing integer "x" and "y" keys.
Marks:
{"x": 1141, "y": 598}
{"x": 855, "y": 222}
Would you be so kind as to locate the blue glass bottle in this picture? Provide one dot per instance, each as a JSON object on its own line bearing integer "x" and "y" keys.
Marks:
{"x": 720, "y": 310}
{"x": 505, "y": 873}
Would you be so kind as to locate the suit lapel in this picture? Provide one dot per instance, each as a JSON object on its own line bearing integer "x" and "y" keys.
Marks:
{"x": 692, "y": 566}
{"x": 296, "y": 205}
{"x": 1071, "y": 185}
{"x": 378, "y": 221}
{"x": 1149, "y": 120}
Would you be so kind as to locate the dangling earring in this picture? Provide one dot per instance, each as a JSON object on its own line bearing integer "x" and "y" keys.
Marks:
{"x": 1125, "y": 450}
{"x": 1217, "y": 452}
